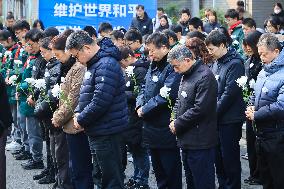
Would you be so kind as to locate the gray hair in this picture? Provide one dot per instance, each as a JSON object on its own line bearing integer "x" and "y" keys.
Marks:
{"x": 179, "y": 53}
{"x": 270, "y": 41}
{"x": 78, "y": 39}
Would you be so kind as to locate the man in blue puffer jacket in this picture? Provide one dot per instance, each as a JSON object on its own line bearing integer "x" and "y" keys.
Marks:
{"x": 267, "y": 113}
{"x": 102, "y": 108}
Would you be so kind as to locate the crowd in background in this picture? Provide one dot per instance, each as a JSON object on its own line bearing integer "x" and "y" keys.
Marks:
{"x": 173, "y": 95}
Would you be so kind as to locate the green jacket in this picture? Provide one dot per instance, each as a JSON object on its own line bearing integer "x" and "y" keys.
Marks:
{"x": 23, "y": 88}
{"x": 238, "y": 36}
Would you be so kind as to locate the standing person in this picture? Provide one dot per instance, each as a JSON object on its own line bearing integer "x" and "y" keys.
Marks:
{"x": 10, "y": 21}
{"x": 164, "y": 24}
{"x": 172, "y": 37}
{"x": 102, "y": 108}
{"x": 153, "y": 108}
{"x": 34, "y": 130}
{"x": 212, "y": 23}
{"x": 6, "y": 120}
{"x": 156, "y": 20}
{"x": 77, "y": 141}
{"x": 38, "y": 24}
{"x": 183, "y": 21}
{"x": 196, "y": 130}
{"x": 252, "y": 68}
{"x": 133, "y": 136}
{"x": 235, "y": 29}
{"x": 142, "y": 21}
{"x": 230, "y": 109}
{"x": 267, "y": 112}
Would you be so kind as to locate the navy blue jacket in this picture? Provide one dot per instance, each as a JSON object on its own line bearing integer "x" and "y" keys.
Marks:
{"x": 102, "y": 102}
{"x": 230, "y": 104}
{"x": 269, "y": 95}
{"x": 196, "y": 116}
{"x": 145, "y": 25}
{"x": 156, "y": 114}
{"x": 208, "y": 27}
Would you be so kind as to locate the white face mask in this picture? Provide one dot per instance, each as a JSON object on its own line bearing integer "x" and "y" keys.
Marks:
{"x": 277, "y": 11}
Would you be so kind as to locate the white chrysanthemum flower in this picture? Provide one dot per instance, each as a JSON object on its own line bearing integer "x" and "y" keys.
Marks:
{"x": 8, "y": 53}
{"x": 252, "y": 83}
{"x": 155, "y": 79}
{"x": 17, "y": 62}
{"x": 183, "y": 94}
{"x": 165, "y": 91}
{"x": 242, "y": 81}
{"x": 46, "y": 74}
{"x": 56, "y": 91}
{"x": 127, "y": 84}
{"x": 264, "y": 90}
{"x": 103, "y": 79}
{"x": 129, "y": 71}
{"x": 40, "y": 84}
{"x": 30, "y": 81}
{"x": 62, "y": 79}
{"x": 217, "y": 77}
{"x": 13, "y": 79}
{"x": 87, "y": 75}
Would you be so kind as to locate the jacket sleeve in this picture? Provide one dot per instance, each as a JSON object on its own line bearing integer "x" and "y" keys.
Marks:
{"x": 140, "y": 98}
{"x": 203, "y": 91}
{"x": 273, "y": 111}
{"x": 172, "y": 81}
{"x": 232, "y": 90}
{"x": 65, "y": 110}
{"x": 103, "y": 94}
{"x": 140, "y": 80}
{"x": 150, "y": 26}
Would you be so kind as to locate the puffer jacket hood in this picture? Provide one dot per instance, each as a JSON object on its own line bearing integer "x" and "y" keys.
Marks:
{"x": 276, "y": 64}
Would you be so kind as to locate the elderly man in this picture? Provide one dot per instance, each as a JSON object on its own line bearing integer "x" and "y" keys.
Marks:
{"x": 196, "y": 118}
{"x": 267, "y": 112}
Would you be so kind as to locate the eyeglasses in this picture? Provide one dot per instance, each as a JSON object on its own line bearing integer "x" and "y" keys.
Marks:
{"x": 128, "y": 44}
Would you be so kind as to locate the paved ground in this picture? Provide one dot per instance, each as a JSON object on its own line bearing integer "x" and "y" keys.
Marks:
{"x": 17, "y": 178}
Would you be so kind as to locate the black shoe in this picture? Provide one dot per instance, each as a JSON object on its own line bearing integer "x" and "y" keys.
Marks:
{"x": 254, "y": 181}
{"x": 55, "y": 185}
{"x": 140, "y": 186}
{"x": 33, "y": 165}
{"x": 23, "y": 156}
{"x": 18, "y": 151}
{"x": 41, "y": 175}
{"x": 48, "y": 179}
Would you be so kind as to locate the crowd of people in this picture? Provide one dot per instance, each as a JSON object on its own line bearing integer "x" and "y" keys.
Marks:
{"x": 173, "y": 95}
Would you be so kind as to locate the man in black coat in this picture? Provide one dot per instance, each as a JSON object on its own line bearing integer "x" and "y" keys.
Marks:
{"x": 155, "y": 111}
{"x": 142, "y": 21}
{"x": 5, "y": 122}
{"x": 230, "y": 109}
{"x": 195, "y": 122}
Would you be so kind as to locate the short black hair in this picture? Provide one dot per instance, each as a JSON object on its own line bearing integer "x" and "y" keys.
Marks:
{"x": 117, "y": 34}
{"x": 5, "y": 35}
{"x": 170, "y": 33}
{"x": 20, "y": 25}
{"x": 10, "y": 16}
{"x": 158, "y": 39}
{"x": 224, "y": 30}
{"x": 251, "y": 40}
{"x": 274, "y": 21}
{"x": 197, "y": 34}
{"x": 45, "y": 43}
{"x": 125, "y": 51}
{"x": 78, "y": 39}
{"x": 196, "y": 22}
{"x": 59, "y": 42}
{"x": 68, "y": 32}
{"x": 278, "y": 5}
{"x": 185, "y": 11}
{"x": 123, "y": 30}
{"x": 91, "y": 31}
{"x": 232, "y": 13}
{"x": 38, "y": 22}
{"x": 133, "y": 35}
{"x": 249, "y": 22}
{"x": 34, "y": 35}
{"x": 176, "y": 28}
{"x": 50, "y": 32}
{"x": 216, "y": 38}
{"x": 240, "y": 4}
{"x": 140, "y": 6}
{"x": 105, "y": 27}
{"x": 160, "y": 9}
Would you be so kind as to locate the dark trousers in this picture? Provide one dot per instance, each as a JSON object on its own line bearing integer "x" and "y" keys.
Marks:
{"x": 3, "y": 140}
{"x": 270, "y": 151}
{"x": 80, "y": 161}
{"x": 252, "y": 157}
{"x": 167, "y": 168}
{"x": 107, "y": 153}
{"x": 199, "y": 166}
{"x": 60, "y": 154}
{"x": 228, "y": 164}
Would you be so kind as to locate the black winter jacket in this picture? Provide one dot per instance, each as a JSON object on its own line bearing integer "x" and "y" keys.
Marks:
{"x": 156, "y": 114}
{"x": 196, "y": 116}
{"x": 145, "y": 25}
{"x": 230, "y": 104}
{"x": 102, "y": 103}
